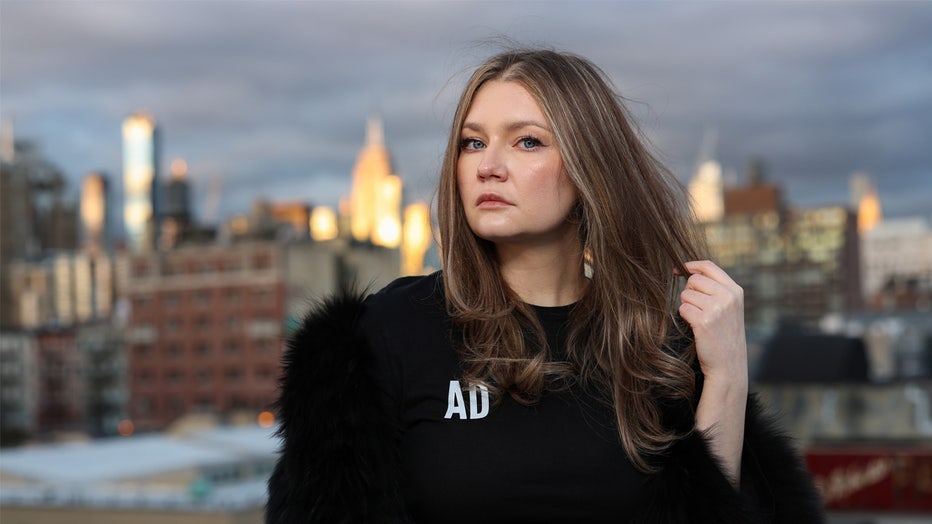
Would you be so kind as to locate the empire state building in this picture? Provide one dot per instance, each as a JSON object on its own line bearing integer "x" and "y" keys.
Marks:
{"x": 375, "y": 201}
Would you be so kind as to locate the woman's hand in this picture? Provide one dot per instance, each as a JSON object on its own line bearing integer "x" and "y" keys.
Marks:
{"x": 713, "y": 305}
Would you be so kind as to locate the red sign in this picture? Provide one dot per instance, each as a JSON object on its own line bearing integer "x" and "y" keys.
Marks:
{"x": 872, "y": 478}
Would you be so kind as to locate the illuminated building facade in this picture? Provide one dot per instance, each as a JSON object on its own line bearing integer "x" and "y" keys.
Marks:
{"x": 95, "y": 213}
{"x": 416, "y": 239}
{"x": 705, "y": 191}
{"x": 140, "y": 182}
{"x": 61, "y": 290}
{"x": 794, "y": 265}
{"x": 324, "y": 224}
{"x": 375, "y": 202}
{"x": 865, "y": 200}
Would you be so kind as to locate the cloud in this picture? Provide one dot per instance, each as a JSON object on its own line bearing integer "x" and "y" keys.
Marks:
{"x": 279, "y": 91}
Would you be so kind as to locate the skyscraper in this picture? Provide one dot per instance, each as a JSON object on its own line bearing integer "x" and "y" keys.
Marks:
{"x": 140, "y": 173}
{"x": 176, "y": 212}
{"x": 706, "y": 192}
{"x": 95, "y": 213}
{"x": 375, "y": 202}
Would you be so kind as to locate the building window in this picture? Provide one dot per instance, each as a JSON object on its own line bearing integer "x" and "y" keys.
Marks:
{"x": 172, "y": 299}
{"x": 141, "y": 303}
{"x": 175, "y": 376}
{"x": 140, "y": 268}
{"x": 233, "y": 374}
{"x": 204, "y": 376}
{"x": 238, "y": 402}
{"x": 143, "y": 377}
{"x": 174, "y": 350}
{"x": 264, "y": 373}
{"x": 202, "y": 350}
{"x": 266, "y": 346}
{"x": 264, "y": 297}
{"x": 233, "y": 264}
{"x": 203, "y": 324}
{"x": 173, "y": 325}
{"x": 143, "y": 405}
{"x": 262, "y": 260}
{"x": 202, "y": 298}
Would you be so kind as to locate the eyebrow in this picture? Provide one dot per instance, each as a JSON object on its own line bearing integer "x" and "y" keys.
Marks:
{"x": 511, "y": 126}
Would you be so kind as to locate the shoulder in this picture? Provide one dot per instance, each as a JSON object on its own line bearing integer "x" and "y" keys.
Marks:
{"x": 404, "y": 300}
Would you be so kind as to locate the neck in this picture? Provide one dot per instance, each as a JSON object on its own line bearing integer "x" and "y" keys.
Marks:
{"x": 543, "y": 275}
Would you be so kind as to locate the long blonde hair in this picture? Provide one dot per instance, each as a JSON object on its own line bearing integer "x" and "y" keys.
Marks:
{"x": 634, "y": 226}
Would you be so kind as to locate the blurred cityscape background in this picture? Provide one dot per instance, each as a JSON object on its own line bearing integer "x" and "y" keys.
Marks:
{"x": 144, "y": 305}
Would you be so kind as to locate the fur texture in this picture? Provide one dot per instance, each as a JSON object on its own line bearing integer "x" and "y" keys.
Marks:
{"x": 340, "y": 454}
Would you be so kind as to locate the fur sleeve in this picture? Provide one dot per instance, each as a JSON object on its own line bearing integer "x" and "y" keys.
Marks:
{"x": 339, "y": 453}
{"x": 775, "y": 486}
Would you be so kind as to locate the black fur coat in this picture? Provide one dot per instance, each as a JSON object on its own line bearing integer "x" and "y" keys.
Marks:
{"x": 340, "y": 464}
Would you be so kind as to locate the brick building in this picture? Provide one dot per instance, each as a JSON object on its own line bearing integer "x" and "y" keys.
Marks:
{"x": 205, "y": 331}
{"x": 208, "y": 322}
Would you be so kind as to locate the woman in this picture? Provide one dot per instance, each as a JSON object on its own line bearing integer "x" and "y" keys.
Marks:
{"x": 574, "y": 362}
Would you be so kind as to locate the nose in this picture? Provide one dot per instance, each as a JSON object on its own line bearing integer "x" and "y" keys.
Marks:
{"x": 492, "y": 166}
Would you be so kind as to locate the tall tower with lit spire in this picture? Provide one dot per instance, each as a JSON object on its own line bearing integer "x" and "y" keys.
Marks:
{"x": 140, "y": 185}
{"x": 375, "y": 201}
{"x": 706, "y": 188}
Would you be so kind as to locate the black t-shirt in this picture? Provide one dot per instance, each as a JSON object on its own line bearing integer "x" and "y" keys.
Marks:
{"x": 467, "y": 459}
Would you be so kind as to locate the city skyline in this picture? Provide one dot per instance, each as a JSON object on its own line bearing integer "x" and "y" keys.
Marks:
{"x": 272, "y": 100}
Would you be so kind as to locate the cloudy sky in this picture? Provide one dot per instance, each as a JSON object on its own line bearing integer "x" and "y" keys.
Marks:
{"x": 271, "y": 98}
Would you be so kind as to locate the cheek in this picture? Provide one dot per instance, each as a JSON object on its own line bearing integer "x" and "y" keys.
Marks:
{"x": 567, "y": 189}
{"x": 462, "y": 173}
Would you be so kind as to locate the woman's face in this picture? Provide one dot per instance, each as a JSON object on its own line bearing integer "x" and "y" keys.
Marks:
{"x": 510, "y": 173}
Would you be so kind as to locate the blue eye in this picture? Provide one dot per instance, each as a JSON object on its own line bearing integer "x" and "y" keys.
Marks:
{"x": 529, "y": 142}
{"x": 471, "y": 143}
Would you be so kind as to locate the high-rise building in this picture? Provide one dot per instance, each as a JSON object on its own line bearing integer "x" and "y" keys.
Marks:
{"x": 897, "y": 253}
{"x": 140, "y": 182}
{"x": 63, "y": 289}
{"x": 387, "y": 227}
{"x": 756, "y": 196}
{"x": 60, "y": 382}
{"x": 375, "y": 202}
{"x": 323, "y": 223}
{"x": 706, "y": 192}
{"x": 19, "y": 394}
{"x": 176, "y": 212}
{"x": 95, "y": 213}
{"x": 865, "y": 200}
{"x": 794, "y": 265}
{"x": 416, "y": 239}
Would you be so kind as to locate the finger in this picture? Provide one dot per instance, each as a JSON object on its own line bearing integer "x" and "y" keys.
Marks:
{"x": 700, "y": 300}
{"x": 704, "y": 284}
{"x": 691, "y": 314}
{"x": 709, "y": 269}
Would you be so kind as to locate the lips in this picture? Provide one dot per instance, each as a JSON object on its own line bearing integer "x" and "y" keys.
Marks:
{"x": 491, "y": 199}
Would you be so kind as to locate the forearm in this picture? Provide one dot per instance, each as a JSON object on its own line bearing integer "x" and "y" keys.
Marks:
{"x": 720, "y": 417}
